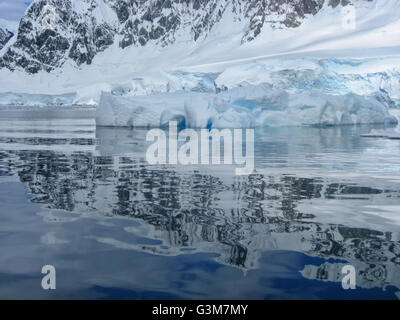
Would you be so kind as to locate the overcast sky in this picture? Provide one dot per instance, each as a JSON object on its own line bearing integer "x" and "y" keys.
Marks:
{"x": 13, "y": 9}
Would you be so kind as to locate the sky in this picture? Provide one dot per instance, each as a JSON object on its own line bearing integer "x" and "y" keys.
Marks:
{"x": 13, "y": 9}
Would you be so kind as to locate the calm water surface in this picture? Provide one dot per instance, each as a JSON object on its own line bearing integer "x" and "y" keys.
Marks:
{"x": 85, "y": 200}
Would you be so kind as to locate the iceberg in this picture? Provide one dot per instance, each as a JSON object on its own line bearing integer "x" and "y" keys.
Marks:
{"x": 141, "y": 111}
{"x": 240, "y": 107}
{"x": 386, "y": 134}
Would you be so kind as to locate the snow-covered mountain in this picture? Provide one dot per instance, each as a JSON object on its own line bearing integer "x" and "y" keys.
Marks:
{"x": 133, "y": 48}
{"x": 83, "y": 28}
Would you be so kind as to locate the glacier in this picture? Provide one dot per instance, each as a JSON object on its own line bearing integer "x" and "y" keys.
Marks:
{"x": 268, "y": 92}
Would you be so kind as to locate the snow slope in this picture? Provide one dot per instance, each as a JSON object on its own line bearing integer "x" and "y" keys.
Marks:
{"x": 322, "y": 36}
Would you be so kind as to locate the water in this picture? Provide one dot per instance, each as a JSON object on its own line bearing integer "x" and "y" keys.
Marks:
{"x": 86, "y": 201}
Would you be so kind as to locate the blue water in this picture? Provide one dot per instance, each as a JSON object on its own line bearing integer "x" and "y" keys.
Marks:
{"x": 85, "y": 201}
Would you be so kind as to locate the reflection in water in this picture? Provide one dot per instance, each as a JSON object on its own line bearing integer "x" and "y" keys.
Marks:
{"x": 103, "y": 173}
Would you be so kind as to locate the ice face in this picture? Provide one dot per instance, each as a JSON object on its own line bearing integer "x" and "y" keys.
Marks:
{"x": 22, "y": 99}
{"x": 250, "y": 106}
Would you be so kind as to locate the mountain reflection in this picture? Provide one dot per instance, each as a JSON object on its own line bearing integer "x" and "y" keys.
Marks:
{"x": 237, "y": 218}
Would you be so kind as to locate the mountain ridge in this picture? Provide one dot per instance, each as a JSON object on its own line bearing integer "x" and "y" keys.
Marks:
{"x": 5, "y": 36}
{"x": 85, "y": 28}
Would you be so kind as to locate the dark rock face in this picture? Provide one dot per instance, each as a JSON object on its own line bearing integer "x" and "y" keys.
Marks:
{"x": 86, "y": 27}
{"x": 77, "y": 36}
{"x": 5, "y": 36}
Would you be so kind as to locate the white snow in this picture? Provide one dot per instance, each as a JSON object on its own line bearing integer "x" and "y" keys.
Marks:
{"x": 377, "y": 34}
